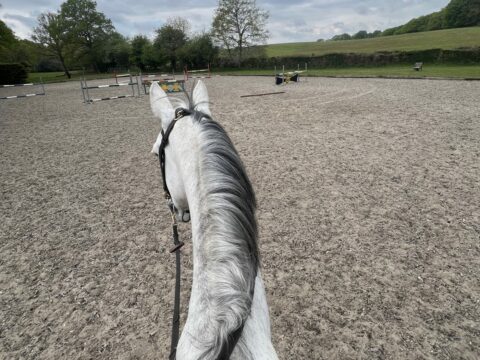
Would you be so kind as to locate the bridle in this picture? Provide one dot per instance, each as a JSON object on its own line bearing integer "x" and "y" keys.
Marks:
{"x": 179, "y": 113}
{"x": 177, "y": 244}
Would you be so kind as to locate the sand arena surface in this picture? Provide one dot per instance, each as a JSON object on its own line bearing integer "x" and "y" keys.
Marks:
{"x": 369, "y": 219}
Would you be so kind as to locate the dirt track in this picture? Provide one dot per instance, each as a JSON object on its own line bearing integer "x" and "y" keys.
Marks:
{"x": 369, "y": 217}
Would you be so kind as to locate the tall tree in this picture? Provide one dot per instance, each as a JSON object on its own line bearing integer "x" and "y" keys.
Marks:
{"x": 179, "y": 23}
{"x": 138, "y": 46}
{"x": 51, "y": 33}
{"x": 199, "y": 51}
{"x": 88, "y": 28}
{"x": 7, "y": 42}
{"x": 151, "y": 57}
{"x": 170, "y": 38}
{"x": 116, "y": 52}
{"x": 238, "y": 24}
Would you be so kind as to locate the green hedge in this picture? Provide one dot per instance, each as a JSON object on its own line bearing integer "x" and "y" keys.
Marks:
{"x": 12, "y": 74}
{"x": 432, "y": 56}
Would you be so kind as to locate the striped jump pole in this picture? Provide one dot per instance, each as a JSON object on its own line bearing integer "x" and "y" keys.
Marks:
{"x": 15, "y": 85}
{"x": 110, "y": 85}
{"x": 110, "y": 98}
{"x": 86, "y": 94}
{"x": 23, "y": 95}
{"x": 147, "y": 79}
{"x": 187, "y": 72}
{"x": 19, "y": 96}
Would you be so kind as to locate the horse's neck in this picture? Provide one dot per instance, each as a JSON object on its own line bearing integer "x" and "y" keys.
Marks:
{"x": 255, "y": 341}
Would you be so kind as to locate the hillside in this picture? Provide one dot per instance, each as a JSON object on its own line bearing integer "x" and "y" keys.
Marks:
{"x": 457, "y": 14}
{"x": 439, "y": 39}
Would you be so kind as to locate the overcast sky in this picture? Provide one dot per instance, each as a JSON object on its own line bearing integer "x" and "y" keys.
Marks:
{"x": 290, "y": 21}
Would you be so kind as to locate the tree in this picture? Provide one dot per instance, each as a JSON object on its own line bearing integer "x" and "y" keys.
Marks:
{"x": 171, "y": 37}
{"x": 151, "y": 57}
{"x": 436, "y": 20}
{"x": 238, "y": 24}
{"x": 458, "y": 13}
{"x": 28, "y": 53}
{"x": 343, "y": 36}
{"x": 199, "y": 51}
{"x": 137, "y": 51}
{"x": 87, "y": 28}
{"x": 362, "y": 34}
{"x": 116, "y": 52}
{"x": 7, "y": 37}
{"x": 7, "y": 42}
{"x": 51, "y": 33}
{"x": 180, "y": 23}
{"x": 462, "y": 13}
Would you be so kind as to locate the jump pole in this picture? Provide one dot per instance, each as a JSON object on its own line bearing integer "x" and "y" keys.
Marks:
{"x": 186, "y": 72}
{"x": 86, "y": 94}
{"x": 270, "y": 93}
{"x": 23, "y": 85}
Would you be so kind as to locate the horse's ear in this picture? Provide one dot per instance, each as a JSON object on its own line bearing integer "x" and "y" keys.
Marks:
{"x": 160, "y": 104}
{"x": 200, "y": 98}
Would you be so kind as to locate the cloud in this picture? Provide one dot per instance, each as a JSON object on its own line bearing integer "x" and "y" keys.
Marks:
{"x": 27, "y": 20}
{"x": 303, "y": 20}
{"x": 362, "y": 10}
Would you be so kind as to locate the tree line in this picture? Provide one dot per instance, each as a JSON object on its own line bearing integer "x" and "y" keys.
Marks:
{"x": 457, "y": 14}
{"x": 78, "y": 35}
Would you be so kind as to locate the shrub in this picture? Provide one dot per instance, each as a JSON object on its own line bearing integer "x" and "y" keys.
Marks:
{"x": 431, "y": 56}
{"x": 12, "y": 74}
{"x": 48, "y": 64}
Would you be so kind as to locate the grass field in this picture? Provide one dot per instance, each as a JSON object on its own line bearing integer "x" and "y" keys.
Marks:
{"x": 429, "y": 71}
{"x": 442, "y": 71}
{"x": 52, "y": 77}
{"x": 440, "y": 39}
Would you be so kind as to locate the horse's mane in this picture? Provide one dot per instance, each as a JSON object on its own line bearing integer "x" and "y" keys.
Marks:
{"x": 229, "y": 241}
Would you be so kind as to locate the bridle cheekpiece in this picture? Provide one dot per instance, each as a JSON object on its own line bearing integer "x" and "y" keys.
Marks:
{"x": 177, "y": 244}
